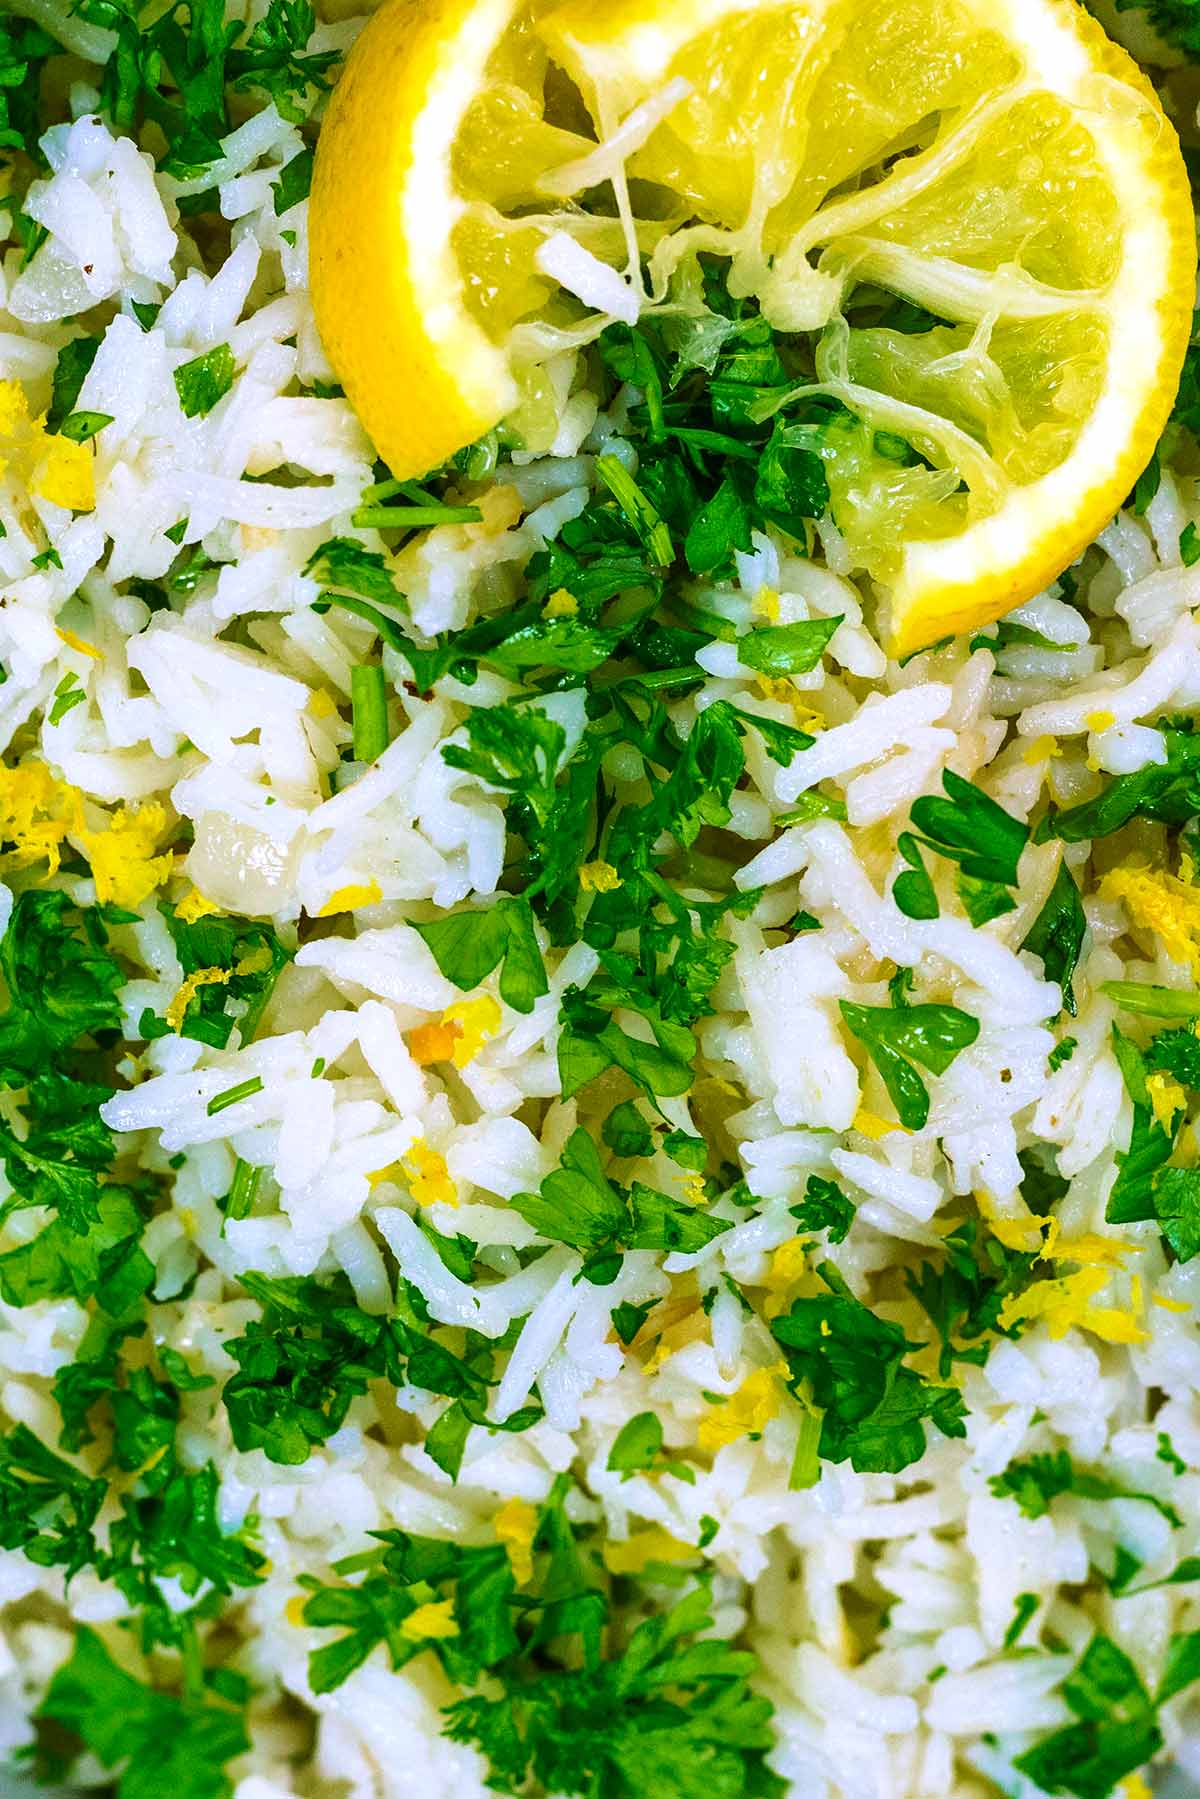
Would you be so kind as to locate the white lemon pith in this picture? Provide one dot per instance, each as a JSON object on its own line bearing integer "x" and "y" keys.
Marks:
{"x": 496, "y": 181}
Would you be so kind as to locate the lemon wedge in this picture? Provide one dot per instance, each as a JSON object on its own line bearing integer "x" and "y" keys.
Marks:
{"x": 496, "y": 182}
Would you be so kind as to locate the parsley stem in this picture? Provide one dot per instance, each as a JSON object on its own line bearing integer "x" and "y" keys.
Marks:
{"x": 387, "y": 490}
{"x": 637, "y": 509}
{"x": 240, "y": 1198}
{"x": 244, "y": 1090}
{"x": 368, "y": 700}
{"x": 1152, "y": 1002}
{"x": 411, "y": 518}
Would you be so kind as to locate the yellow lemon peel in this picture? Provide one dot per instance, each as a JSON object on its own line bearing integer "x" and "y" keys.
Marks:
{"x": 561, "y": 604}
{"x": 428, "y": 1177}
{"x": 125, "y": 864}
{"x": 78, "y": 643}
{"x": 186, "y": 993}
{"x": 516, "y": 1526}
{"x": 430, "y": 1623}
{"x": 475, "y": 1020}
{"x": 349, "y": 899}
{"x": 599, "y": 877}
{"x": 635, "y": 1553}
{"x": 1159, "y": 902}
{"x": 745, "y": 1413}
{"x": 193, "y": 905}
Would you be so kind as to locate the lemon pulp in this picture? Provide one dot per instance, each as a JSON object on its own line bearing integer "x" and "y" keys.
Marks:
{"x": 998, "y": 164}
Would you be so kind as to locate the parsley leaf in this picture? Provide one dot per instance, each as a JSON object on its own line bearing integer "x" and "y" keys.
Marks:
{"x": 1057, "y": 933}
{"x": 1167, "y": 791}
{"x": 1035, "y": 1481}
{"x": 964, "y": 1295}
{"x": 824, "y": 1207}
{"x": 166, "y": 1744}
{"x": 894, "y": 1038}
{"x": 969, "y": 828}
{"x": 467, "y": 946}
{"x": 787, "y": 649}
{"x": 850, "y": 1363}
{"x": 48, "y": 1508}
{"x": 577, "y": 1204}
{"x": 637, "y": 1445}
{"x": 204, "y": 380}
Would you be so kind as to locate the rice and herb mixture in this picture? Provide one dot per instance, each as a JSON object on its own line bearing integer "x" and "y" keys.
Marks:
{"x": 600, "y": 1193}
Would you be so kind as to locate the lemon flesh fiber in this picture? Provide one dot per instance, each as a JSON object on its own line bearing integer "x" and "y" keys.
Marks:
{"x": 999, "y": 163}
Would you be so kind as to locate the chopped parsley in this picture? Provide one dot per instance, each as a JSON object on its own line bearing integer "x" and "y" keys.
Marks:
{"x": 204, "y": 380}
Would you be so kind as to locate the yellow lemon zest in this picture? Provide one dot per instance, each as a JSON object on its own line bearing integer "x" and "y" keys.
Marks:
{"x": 744, "y": 1413}
{"x": 321, "y": 703}
{"x": 870, "y": 1124}
{"x": 124, "y": 862}
{"x": 349, "y": 899}
{"x": 431, "y": 1043}
{"x": 66, "y": 475}
{"x": 1042, "y": 749}
{"x": 1166, "y": 1098}
{"x": 1066, "y": 1303}
{"x": 1159, "y": 902}
{"x": 775, "y": 687}
{"x": 430, "y": 1623}
{"x": 788, "y": 1265}
{"x": 1169, "y": 1305}
{"x": 1134, "y": 1787}
{"x": 78, "y": 643}
{"x": 767, "y": 602}
{"x": 1089, "y": 1250}
{"x": 293, "y": 1611}
{"x": 561, "y": 604}
{"x": 598, "y": 877}
{"x": 391, "y": 1172}
{"x": 476, "y": 1020}
{"x": 693, "y": 1189}
{"x": 1100, "y": 721}
{"x": 36, "y": 813}
{"x": 1023, "y": 1234}
{"x": 516, "y": 1526}
{"x": 428, "y": 1177}
{"x": 203, "y": 977}
{"x": 636, "y": 1553}
{"x": 193, "y": 905}
{"x": 806, "y": 718}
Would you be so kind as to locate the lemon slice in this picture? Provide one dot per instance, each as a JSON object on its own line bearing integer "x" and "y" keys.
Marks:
{"x": 497, "y": 180}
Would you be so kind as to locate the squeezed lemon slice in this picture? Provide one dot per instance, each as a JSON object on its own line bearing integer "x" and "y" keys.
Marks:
{"x": 497, "y": 180}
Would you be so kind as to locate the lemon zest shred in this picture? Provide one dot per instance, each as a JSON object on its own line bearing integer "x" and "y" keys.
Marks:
{"x": 635, "y": 1553}
{"x": 1065, "y": 1303}
{"x": 430, "y": 1623}
{"x": 789, "y": 1262}
{"x": 193, "y": 905}
{"x": 349, "y": 899}
{"x": 1166, "y": 1098}
{"x": 79, "y": 643}
{"x": 321, "y": 703}
{"x": 1042, "y": 749}
{"x": 599, "y": 877}
{"x": 186, "y": 993}
{"x": 766, "y": 601}
{"x": 744, "y": 1413}
{"x": 428, "y": 1177}
{"x": 293, "y": 1611}
{"x": 475, "y": 1020}
{"x": 561, "y": 604}
{"x": 66, "y": 475}
{"x": 1159, "y": 902}
{"x": 1169, "y": 1305}
{"x": 1134, "y": 1787}
{"x": 125, "y": 865}
{"x": 516, "y": 1526}
{"x": 433, "y": 1042}
{"x": 1101, "y": 719}
{"x": 693, "y": 1189}
{"x": 870, "y": 1124}
{"x": 37, "y": 812}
